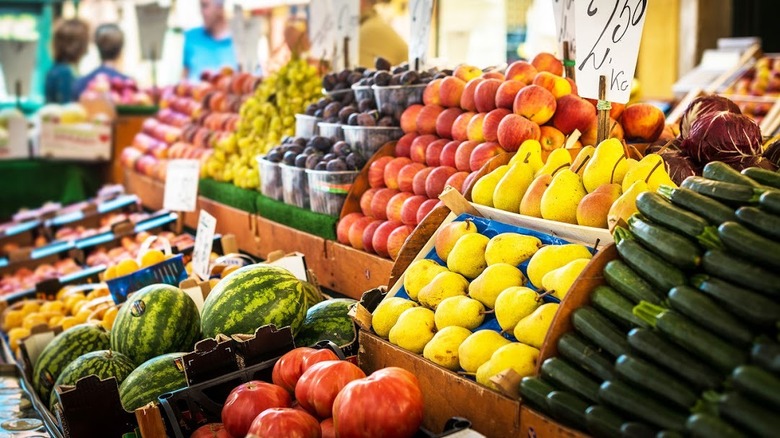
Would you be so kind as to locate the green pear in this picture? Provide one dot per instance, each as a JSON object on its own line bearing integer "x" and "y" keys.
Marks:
{"x": 478, "y": 348}
{"x": 532, "y": 329}
{"x": 460, "y": 311}
{"x": 493, "y": 280}
{"x": 444, "y": 285}
{"x": 559, "y": 281}
{"x": 607, "y": 165}
{"x": 560, "y": 200}
{"x": 414, "y": 329}
{"x": 448, "y": 235}
{"x": 553, "y": 257}
{"x": 443, "y": 348}
{"x": 510, "y": 189}
{"x": 519, "y": 357}
{"x": 467, "y": 257}
{"x": 514, "y": 304}
{"x": 511, "y": 248}
{"x": 482, "y": 192}
{"x": 419, "y": 274}
{"x": 387, "y": 312}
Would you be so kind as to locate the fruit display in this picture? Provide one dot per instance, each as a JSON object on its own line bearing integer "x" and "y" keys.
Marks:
{"x": 129, "y": 248}
{"x": 120, "y": 91}
{"x": 68, "y": 114}
{"x": 102, "y": 363}
{"x": 26, "y": 278}
{"x": 152, "y": 378}
{"x": 328, "y": 320}
{"x": 683, "y": 330}
{"x": 71, "y": 233}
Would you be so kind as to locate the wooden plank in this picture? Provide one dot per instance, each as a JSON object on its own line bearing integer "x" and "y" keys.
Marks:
{"x": 125, "y": 129}
{"x": 230, "y": 220}
{"x": 352, "y": 272}
{"x": 535, "y": 424}
{"x": 149, "y": 190}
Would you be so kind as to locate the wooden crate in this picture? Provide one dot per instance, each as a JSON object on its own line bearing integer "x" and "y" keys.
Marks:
{"x": 538, "y": 425}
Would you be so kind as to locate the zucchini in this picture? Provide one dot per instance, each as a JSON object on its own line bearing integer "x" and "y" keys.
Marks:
{"x": 757, "y": 384}
{"x": 624, "y": 280}
{"x": 749, "y": 415}
{"x": 568, "y": 409}
{"x": 709, "y": 426}
{"x": 763, "y": 223}
{"x": 720, "y": 171}
{"x": 596, "y": 327}
{"x": 654, "y": 380}
{"x": 770, "y": 201}
{"x": 703, "y": 310}
{"x": 713, "y": 211}
{"x": 673, "y": 247}
{"x": 565, "y": 376}
{"x": 668, "y": 434}
{"x": 676, "y": 360}
{"x": 730, "y": 268}
{"x": 763, "y": 176}
{"x": 754, "y": 308}
{"x": 723, "y": 191}
{"x": 589, "y": 357}
{"x": 534, "y": 391}
{"x": 709, "y": 347}
{"x": 615, "y": 306}
{"x": 603, "y": 422}
{"x": 634, "y": 429}
{"x": 659, "y": 210}
{"x": 637, "y": 404}
{"x": 766, "y": 355}
{"x": 657, "y": 272}
{"x": 747, "y": 244}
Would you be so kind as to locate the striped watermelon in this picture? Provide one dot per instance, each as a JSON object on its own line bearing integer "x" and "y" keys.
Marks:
{"x": 157, "y": 319}
{"x": 102, "y": 363}
{"x": 151, "y": 379}
{"x": 328, "y": 320}
{"x": 251, "y": 297}
{"x": 64, "y": 349}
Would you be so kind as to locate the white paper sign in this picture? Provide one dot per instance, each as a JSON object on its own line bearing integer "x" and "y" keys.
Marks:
{"x": 564, "y": 23}
{"x": 204, "y": 238}
{"x": 419, "y": 37}
{"x": 346, "y": 15}
{"x": 608, "y": 34}
{"x": 181, "y": 185}
{"x": 246, "y": 31}
{"x": 321, "y": 29}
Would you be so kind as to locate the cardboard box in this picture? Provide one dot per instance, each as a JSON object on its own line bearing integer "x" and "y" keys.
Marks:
{"x": 81, "y": 141}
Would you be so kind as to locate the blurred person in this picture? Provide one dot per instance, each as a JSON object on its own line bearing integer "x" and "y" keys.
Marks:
{"x": 378, "y": 38}
{"x": 71, "y": 38}
{"x": 109, "y": 40}
{"x": 210, "y": 46}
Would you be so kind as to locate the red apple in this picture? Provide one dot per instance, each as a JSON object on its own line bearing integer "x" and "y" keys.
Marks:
{"x": 505, "y": 95}
{"x": 445, "y": 121}
{"x": 474, "y": 130}
{"x": 642, "y": 122}
{"x": 467, "y": 98}
{"x": 376, "y": 171}
{"x": 356, "y": 231}
{"x": 573, "y": 86}
{"x": 551, "y": 138}
{"x": 437, "y": 180}
{"x": 466, "y": 72}
{"x": 548, "y": 62}
{"x": 284, "y": 423}
{"x": 535, "y": 104}
{"x": 409, "y": 118}
{"x": 433, "y": 152}
{"x": 396, "y": 240}
{"x": 522, "y": 71}
{"x": 447, "y": 156}
{"x": 211, "y": 430}
{"x": 407, "y": 173}
{"x": 368, "y": 235}
{"x": 410, "y": 208}
{"x": 556, "y": 85}
{"x": 463, "y": 155}
{"x": 514, "y": 130}
{"x": 490, "y": 124}
{"x": 365, "y": 200}
{"x": 456, "y": 180}
{"x": 419, "y": 146}
{"x": 426, "y": 119}
{"x": 461, "y": 125}
{"x": 418, "y": 184}
{"x": 404, "y": 144}
{"x": 391, "y": 171}
{"x": 450, "y": 91}
{"x": 319, "y": 385}
{"x": 485, "y": 95}
{"x": 482, "y": 154}
{"x": 379, "y": 203}
{"x": 431, "y": 93}
{"x": 247, "y": 401}
{"x": 394, "y": 206}
{"x": 469, "y": 181}
{"x": 426, "y": 208}
{"x": 291, "y": 366}
{"x": 379, "y": 241}
{"x": 573, "y": 112}
{"x": 342, "y": 229}
{"x": 327, "y": 428}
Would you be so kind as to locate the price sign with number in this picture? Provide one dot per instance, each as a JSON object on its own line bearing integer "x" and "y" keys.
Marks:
{"x": 421, "y": 17}
{"x": 204, "y": 238}
{"x": 346, "y": 16}
{"x": 181, "y": 185}
{"x": 321, "y": 29}
{"x": 564, "y": 22}
{"x": 608, "y": 35}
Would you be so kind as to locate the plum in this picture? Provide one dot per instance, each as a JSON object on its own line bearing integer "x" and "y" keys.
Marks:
{"x": 336, "y": 165}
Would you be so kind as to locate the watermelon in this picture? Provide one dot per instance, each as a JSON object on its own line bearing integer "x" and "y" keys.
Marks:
{"x": 251, "y": 297}
{"x": 328, "y": 320}
{"x": 151, "y": 379}
{"x": 156, "y": 320}
{"x": 102, "y": 363}
{"x": 64, "y": 349}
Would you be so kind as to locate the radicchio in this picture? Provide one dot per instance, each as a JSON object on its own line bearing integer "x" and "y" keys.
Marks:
{"x": 724, "y": 136}
{"x": 704, "y": 105}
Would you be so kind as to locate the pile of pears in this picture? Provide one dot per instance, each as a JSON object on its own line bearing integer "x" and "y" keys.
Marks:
{"x": 598, "y": 188}
{"x": 444, "y": 318}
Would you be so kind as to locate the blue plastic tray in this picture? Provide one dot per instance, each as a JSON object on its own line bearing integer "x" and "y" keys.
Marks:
{"x": 170, "y": 271}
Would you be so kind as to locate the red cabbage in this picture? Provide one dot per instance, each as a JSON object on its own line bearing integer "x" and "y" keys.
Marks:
{"x": 724, "y": 136}
{"x": 678, "y": 166}
{"x": 704, "y": 105}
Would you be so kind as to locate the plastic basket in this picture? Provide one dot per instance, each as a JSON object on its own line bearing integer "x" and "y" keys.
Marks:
{"x": 328, "y": 190}
{"x": 394, "y": 99}
{"x": 366, "y": 140}
{"x": 331, "y": 130}
{"x": 363, "y": 92}
{"x": 270, "y": 179}
{"x": 295, "y": 186}
{"x": 306, "y": 126}
{"x": 170, "y": 271}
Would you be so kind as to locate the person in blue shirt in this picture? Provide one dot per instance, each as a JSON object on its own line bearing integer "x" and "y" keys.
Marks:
{"x": 71, "y": 38}
{"x": 109, "y": 40}
{"x": 209, "y": 47}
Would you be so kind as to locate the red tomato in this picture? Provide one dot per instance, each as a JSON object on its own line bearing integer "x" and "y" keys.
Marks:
{"x": 328, "y": 431}
{"x": 388, "y": 403}
{"x": 211, "y": 430}
{"x": 289, "y": 368}
{"x": 247, "y": 401}
{"x": 321, "y": 383}
{"x": 284, "y": 423}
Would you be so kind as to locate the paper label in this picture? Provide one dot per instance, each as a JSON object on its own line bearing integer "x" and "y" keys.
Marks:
{"x": 204, "y": 238}
{"x": 346, "y": 15}
{"x": 608, "y": 34}
{"x": 321, "y": 29}
{"x": 246, "y": 30}
{"x": 564, "y": 24}
{"x": 420, "y": 32}
{"x": 181, "y": 185}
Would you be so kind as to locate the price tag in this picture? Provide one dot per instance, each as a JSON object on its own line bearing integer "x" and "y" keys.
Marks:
{"x": 346, "y": 16}
{"x": 321, "y": 27}
{"x": 204, "y": 238}
{"x": 608, "y": 34}
{"x": 181, "y": 185}
{"x": 564, "y": 23}
{"x": 420, "y": 32}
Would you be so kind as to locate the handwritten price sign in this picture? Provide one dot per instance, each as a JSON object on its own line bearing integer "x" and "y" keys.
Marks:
{"x": 564, "y": 22}
{"x": 608, "y": 35}
{"x": 204, "y": 238}
{"x": 181, "y": 185}
{"x": 421, "y": 17}
{"x": 346, "y": 15}
{"x": 321, "y": 27}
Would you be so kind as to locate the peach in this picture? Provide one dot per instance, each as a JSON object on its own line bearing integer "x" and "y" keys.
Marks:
{"x": 551, "y": 138}
{"x": 494, "y": 74}
{"x": 419, "y": 145}
{"x": 396, "y": 240}
{"x": 522, "y": 71}
{"x": 531, "y": 203}
{"x": 450, "y": 91}
{"x": 379, "y": 202}
{"x": 490, "y": 124}
{"x": 514, "y": 129}
{"x": 467, "y": 98}
{"x": 535, "y": 103}
{"x": 368, "y": 235}
{"x": 548, "y": 62}
{"x": 409, "y": 118}
{"x": 461, "y": 125}
{"x": 573, "y": 112}
{"x": 376, "y": 171}
{"x": 463, "y": 155}
{"x": 356, "y": 231}
{"x": 642, "y": 122}
{"x": 593, "y": 209}
{"x": 466, "y": 72}
{"x": 426, "y": 119}
{"x": 394, "y": 205}
{"x": 406, "y": 176}
{"x": 418, "y": 183}
{"x": 485, "y": 95}
{"x": 447, "y": 156}
{"x": 505, "y": 95}
{"x": 433, "y": 152}
{"x": 437, "y": 180}
{"x": 391, "y": 171}
{"x": 410, "y": 208}
{"x": 342, "y": 229}
{"x": 484, "y": 153}
{"x": 456, "y": 180}
{"x": 431, "y": 92}
{"x": 365, "y": 200}
{"x": 404, "y": 144}
{"x": 445, "y": 121}
{"x": 379, "y": 241}
{"x": 474, "y": 129}
{"x": 426, "y": 208}
{"x": 556, "y": 85}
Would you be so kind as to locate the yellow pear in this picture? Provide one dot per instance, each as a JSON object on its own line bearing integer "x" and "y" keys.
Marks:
{"x": 532, "y": 329}
{"x": 582, "y": 158}
{"x": 482, "y": 192}
{"x": 519, "y": 357}
{"x": 530, "y": 205}
{"x": 448, "y": 235}
{"x": 558, "y": 159}
{"x": 444, "y": 285}
{"x": 478, "y": 348}
{"x": 551, "y": 257}
{"x": 443, "y": 348}
{"x": 514, "y": 304}
{"x": 512, "y": 248}
{"x": 650, "y": 169}
{"x": 387, "y": 312}
{"x": 414, "y": 329}
{"x": 460, "y": 311}
{"x": 419, "y": 274}
{"x": 560, "y": 200}
{"x": 530, "y": 151}
{"x": 493, "y": 280}
{"x": 608, "y": 165}
{"x": 625, "y": 206}
{"x": 510, "y": 189}
{"x": 467, "y": 257}
{"x": 559, "y": 280}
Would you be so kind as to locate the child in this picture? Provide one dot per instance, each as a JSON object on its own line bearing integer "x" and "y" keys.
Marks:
{"x": 70, "y": 44}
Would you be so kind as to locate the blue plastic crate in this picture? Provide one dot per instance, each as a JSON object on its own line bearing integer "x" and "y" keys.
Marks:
{"x": 170, "y": 271}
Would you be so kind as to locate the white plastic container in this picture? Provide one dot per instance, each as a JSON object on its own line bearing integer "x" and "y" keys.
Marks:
{"x": 295, "y": 186}
{"x": 328, "y": 190}
{"x": 366, "y": 140}
{"x": 270, "y": 178}
{"x": 306, "y": 126}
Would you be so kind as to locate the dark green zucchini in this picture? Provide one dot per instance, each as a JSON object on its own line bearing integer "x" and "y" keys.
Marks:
{"x": 589, "y": 357}
{"x": 723, "y": 265}
{"x": 703, "y": 310}
{"x": 635, "y": 429}
{"x": 763, "y": 176}
{"x": 710, "y": 426}
{"x": 534, "y": 391}
{"x": 568, "y": 409}
{"x": 750, "y": 245}
{"x": 754, "y": 308}
{"x": 767, "y": 356}
{"x": 567, "y": 377}
{"x": 763, "y": 223}
{"x": 615, "y": 306}
{"x": 654, "y": 380}
{"x": 659, "y": 210}
{"x": 713, "y": 211}
{"x": 603, "y": 422}
{"x": 751, "y": 416}
{"x": 672, "y": 247}
{"x": 758, "y": 385}
{"x": 640, "y": 405}
{"x": 723, "y": 191}
{"x": 720, "y": 171}
{"x": 596, "y": 327}
{"x": 669, "y": 434}
{"x": 624, "y": 280}
{"x": 770, "y": 201}
{"x": 649, "y": 266}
